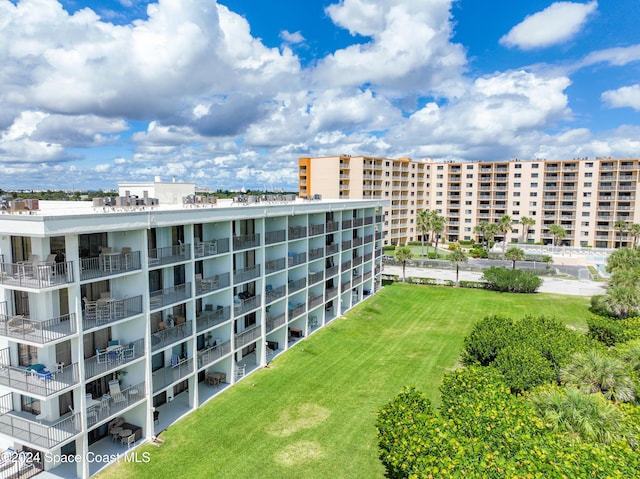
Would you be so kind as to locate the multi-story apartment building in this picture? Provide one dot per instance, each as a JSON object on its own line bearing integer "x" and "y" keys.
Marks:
{"x": 117, "y": 318}
{"x": 585, "y": 196}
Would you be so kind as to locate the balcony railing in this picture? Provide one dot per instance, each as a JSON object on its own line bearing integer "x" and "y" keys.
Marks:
{"x": 245, "y": 274}
{"x": 315, "y": 301}
{"x": 28, "y": 274}
{"x": 346, "y": 285}
{"x": 297, "y": 310}
{"x": 316, "y": 277}
{"x": 358, "y": 222}
{"x": 209, "y": 355}
{"x": 246, "y": 305}
{"x": 330, "y": 293}
{"x": 109, "y": 264}
{"x": 130, "y": 395}
{"x": 366, "y": 275}
{"x": 174, "y": 294}
{"x": 297, "y": 285}
{"x": 296, "y": 232}
{"x": 316, "y": 253}
{"x": 170, "y": 374}
{"x": 271, "y": 237}
{"x": 346, "y": 265}
{"x": 332, "y": 226}
{"x": 111, "y": 310}
{"x": 332, "y": 248}
{"x": 210, "y": 248}
{"x": 33, "y": 384}
{"x": 162, "y": 339}
{"x": 276, "y": 322}
{"x": 274, "y": 294}
{"x": 208, "y": 319}
{"x": 316, "y": 229}
{"x": 41, "y": 332}
{"x": 274, "y": 265}
{"x": 346, "y": 224}
{"x": 295, "y": 259}
{"x": 357, "y": 260}
{"x": 112, "y": 360}
{"x": 346, "y": 244}
{"x": 169, "y": 254}
{"x": 212, "y": 283}
{"x": 246, "y": 241}
{"x": 247, "y": 336}
{"x": 19, "y": 425}
{"x": 331, "y": 271}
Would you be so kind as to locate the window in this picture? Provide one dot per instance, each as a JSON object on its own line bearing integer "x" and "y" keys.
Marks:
{"x": 516, "y": 185}
{"x": 469, "y": 175}
{"x": 386, "y": 163}
{"x": 469, "y": 193}
{"x": 517, "y": 175}
{"x": 468, "y": 203}
{"x": 516, "y": 193}
{"x": 467, "y": 220}
{"x": 469, "y": 167}
{"x": 516, "y": 203}
{"x": 586, "y": 194}
{"x": 588, "y": 175}
{"x": 438, "y": 193}
{"x": 584, "y": 223}
{"x": 515, "y": 212}
{"x": 587, "y": 184}
{"x": 586, "y": 204}
{"x": 438, "y": 185}
{"x": 439, "y": 202}
{"x": 585, "y": 214}
{"x": 440, "y": 168}
{"x": 589, "y": 164}
{"x": 534, "y": 175}
{"x": 533, "y": 193}
{"x": 467, "y": 229}
{"x": 585, "y": 233}
{"x": 469, "y": 185}
{"x": 467, "y": 212}
{"x": 439, "y": 176}
{"x": 518, "y": 165}
{"x": 534, "y": 166}
{"x": 533, "y": 203}
{"x": 532, "y": 213}
{"x": 534, "y": 185}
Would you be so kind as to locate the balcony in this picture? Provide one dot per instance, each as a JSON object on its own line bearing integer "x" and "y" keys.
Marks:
{"x": 330, "y": 293}
{"x": 169, "y": 255}
{"x": 36, "y": 275}
{"x": 297, "y": 311}
{"x": 162, "y": 339}
{"x": 242, "y": 306}
{"x": 297, "y": 285}
{"x": 130, "y": 395}
{"x": 109, "y": 264}
{"x": 274, "y": 294}
{"x": 316, "y": 253}
{"x": 246, "y": 274}
{"x": 174, "y": 294}
{"x": 105, "y": 311}
{"x": 246, "y": 241}
{"x": 275, "y": 322}
{"x": 30, "y": 383}
{"x": 316, "y": 277}
{"x": 209, "y": 355}
{"x": 357, "y": 260}
{"x": 212, "y": 283}
{"x": 271, "y": 237}
{"x": 346, "y": 285}
{"x": 346, "y": 224}
{"x": 316, "y": 230}
{"x": 331, "y": 271}
{"x": 22, "y": 426}
{"x": 332, "y": 248}
{"x": 346, "y": 244}
{"x": 346, "y": 265}
{"x": 247, "y": 336}
{"x": 209, "y": 318}
{"x": 274, "y": 265}
{"x": 357, "y": 242}
{"x": 358, "y": 222}
{"x": 332, "y": 226}
{"x": 163, "y": 377}
{"x": 211, "y": 248}
{"x": 297, "y": 232}
{"x": 100, "y": 364}
{"x": 294, "y": 259}
{"x": 315, "y": 300}
{"x": 25, "y": 329}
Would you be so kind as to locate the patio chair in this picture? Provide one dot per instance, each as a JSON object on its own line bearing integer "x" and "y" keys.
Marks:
{"x": 240, "y": 371}
{"x": 102, "y": 356}
{"x": 129, "y": 440}
{"x": 128, "y": 352}
{"x": 115, "y": 393}
{"x": 90, "y": 309}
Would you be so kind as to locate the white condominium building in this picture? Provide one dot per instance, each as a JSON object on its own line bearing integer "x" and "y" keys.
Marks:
{"x": 118, "y": 317}
{"x": 585, "y": 196}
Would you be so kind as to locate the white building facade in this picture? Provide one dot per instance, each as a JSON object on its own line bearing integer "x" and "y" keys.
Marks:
{"x": 117, "y": 320}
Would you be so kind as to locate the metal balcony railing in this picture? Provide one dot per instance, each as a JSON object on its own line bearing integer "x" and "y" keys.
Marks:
{"x": 209, "y": 355}
{"x": 169, "y": 254}
{"x": 294, "y": 259}
{"x": 275, "y": 322}
{"x": 275, "y": 265}
{"x": 246, "y": 305}
{"x": 297, "y": 285}
{"x": 114, "y": 359}
{"x": 170, "y": 374}
{"x": 208, "y": 319}
{"x": 36, "y": 275}
{"x": 246, "y": 274}
{"x": 246, "y": 241}
{"x": 212, "y": 283}
{"x": 296, "y": 232}
{"x": 297, "y": 310}
{"x": 129, "y": 395}
{"x": 330, "y": 293}
{"x": 316, "y": 277}
{"x": 274, "y": 294}
{"x": 247, "y": 336}
{"x": 41, "y": 332}
{"x": 162, "y": 339}
{"x": 332, "y": 226}
{"x": 271, "y": 237}
{"x": 174, "y": 294}
{"x": 109, "y": 264}
{"x": 107, "y": 311}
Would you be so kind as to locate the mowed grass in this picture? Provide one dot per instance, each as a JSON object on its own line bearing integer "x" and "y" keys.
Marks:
{"x": 311, "y": 413}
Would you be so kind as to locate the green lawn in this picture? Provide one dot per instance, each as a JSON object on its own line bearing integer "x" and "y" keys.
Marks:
{"x": 311, "y": 414}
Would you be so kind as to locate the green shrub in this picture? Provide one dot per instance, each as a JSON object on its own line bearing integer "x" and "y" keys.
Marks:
{"x": 432, "y": 255}
{"x": 473, "y": 284}
{"x": 486, "y": 340}
{"x": 511, "y": 280}
{"x": 466, "y": 243}
{"x": 612, "y": 331}
{"x": 524, "y": 367}
{"x": 389, "y": 247}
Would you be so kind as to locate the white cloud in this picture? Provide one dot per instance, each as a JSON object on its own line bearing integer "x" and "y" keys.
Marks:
{"x": 627, "y": 96}
{"x": 554, "y": 25}
{"x": 292, "y": 38}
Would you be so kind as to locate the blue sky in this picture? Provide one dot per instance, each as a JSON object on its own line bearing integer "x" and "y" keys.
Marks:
{"x": 231, "y": 94}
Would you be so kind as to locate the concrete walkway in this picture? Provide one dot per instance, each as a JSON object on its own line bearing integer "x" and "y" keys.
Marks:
{"x": 575, "y": 287}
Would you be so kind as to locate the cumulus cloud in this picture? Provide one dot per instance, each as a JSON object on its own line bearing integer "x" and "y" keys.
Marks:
{"x": 292, "y": 38}
{"x": 556, "y": 24}
{"x": 627, "y": 96}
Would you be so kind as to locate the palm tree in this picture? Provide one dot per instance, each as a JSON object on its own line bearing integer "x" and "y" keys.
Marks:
{"x": 514, "y": 254}
{"x": 525, "y": 221}
{"x": 634, "y": 230}
{"x": 456, "y": 257}
{"x": 505, "y": 224}
{"x": 481, "y": 230}
{"x": 403, "y": 254}
{"x": 547, "y": 259}
{"x": 621, "y": 227}
{"x": 437, "y": 225}
{"x": 558, "y": 233}
{"x": 593, "y": 372}
{"x": 423, "y": 223}
{"x": 492, "y": 231}
{"x": 623, "y": 258}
